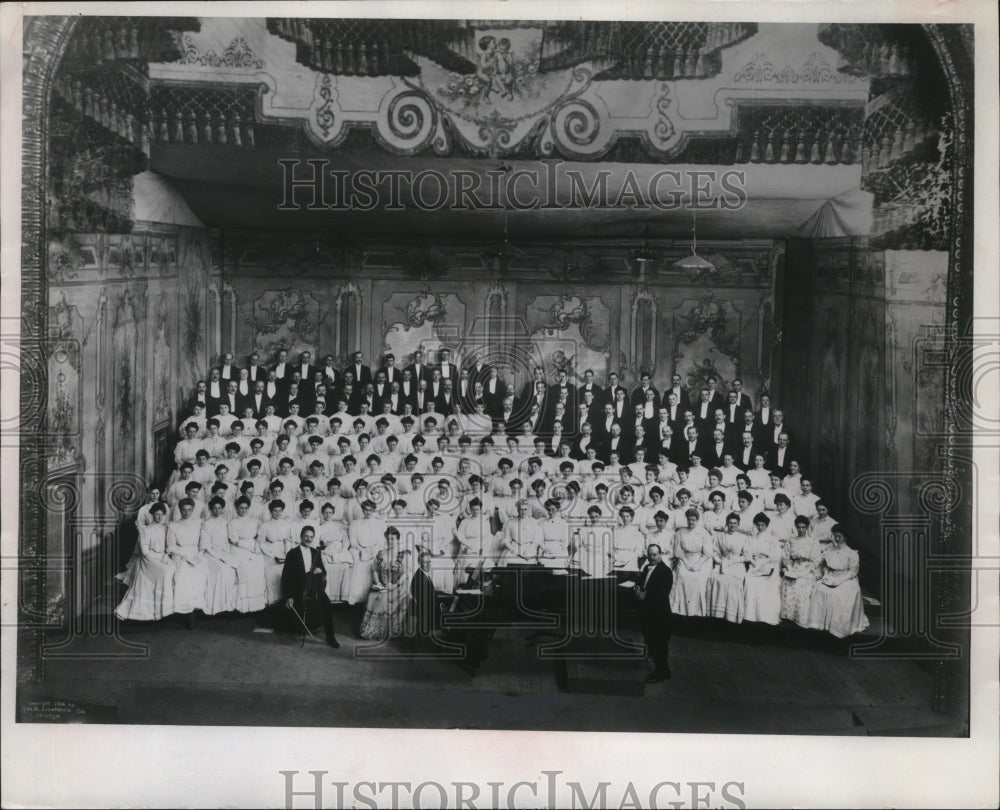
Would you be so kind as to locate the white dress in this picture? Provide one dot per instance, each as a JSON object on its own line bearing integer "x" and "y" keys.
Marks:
{"x": 763, "y": 580}
{"x": 274, "y": 539}
{"x": 220, "y": 584}
{"x": 693, "y": 551}
{"x": 190, "y": 570}
{"x": 724, "y": 589}
{"x": 250, "y": 572}
{"x": 337, "y": 559}
{"x": 366, "y": 539}
{"x": 836, "y": 605}
{"x": 151, "y": 594}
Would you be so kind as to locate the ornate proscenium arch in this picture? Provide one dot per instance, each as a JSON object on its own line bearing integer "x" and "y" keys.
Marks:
{"x": 46, "y": 41}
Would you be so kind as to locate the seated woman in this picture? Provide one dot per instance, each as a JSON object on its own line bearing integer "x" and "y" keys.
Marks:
{"x": 836, "y": 605}
{"x": 190, "y": 570}
{"x": 724, "y": 589}
{"x": 662, "y": 536}
{"x": 274, "y": 540}
{"x": 151, "y": 594}
{"x": 591, "y": 546}
{"x": 693, "y": 550}
{"x": 715, "y": 518}
{"x": 250, "y": 571}
{"x": 762, "y": 586}
{"x": 799, "y": 562}
{"x": 783, "y": 519}
{"x": 213, "y": 542}
{"x": 389, "y": 597}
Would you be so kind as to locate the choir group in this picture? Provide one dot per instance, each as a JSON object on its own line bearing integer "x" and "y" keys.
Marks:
{"x": 453, "y": 465}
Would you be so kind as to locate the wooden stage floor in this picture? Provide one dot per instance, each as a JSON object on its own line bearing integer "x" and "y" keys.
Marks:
{"x": 726, "y": 679}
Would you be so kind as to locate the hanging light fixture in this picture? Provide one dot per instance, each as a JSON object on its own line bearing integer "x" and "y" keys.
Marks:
{"x": 694, "y": 263}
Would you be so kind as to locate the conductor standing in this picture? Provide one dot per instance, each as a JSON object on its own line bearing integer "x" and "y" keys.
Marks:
{"x": 652, "y": 590}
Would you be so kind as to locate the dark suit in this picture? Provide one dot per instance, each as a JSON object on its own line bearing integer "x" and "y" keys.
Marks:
{"x": 772, "y": 463}
{"x": 425, "y": 605}
{"x": 655, "y": 616}
{"x": 744, "y": 460}
{"x": 713, "y": 455}
{"x": 452, "y": 371}
{"x": 258, "y": 402}
{"x": 608, "y": 394}
{"x": 232, "y": 373}
{"x": 306, "y": 372}
{"x": 639, "y": 397}
{"x": 762, "y": 426}
{"x": 494, "y": 399}
{"x": 744, "y": 401}
{"x": 332, "y": 377}
{"x": 293, "y": 583}
{"x": 362, "y": 374}
{"x": 392, "y": 374}
{"x": 257, "y": 373}
{"x": 479, "y": 374}
{"x": 683, "y": 398}
{"x": 423, "y": 373}
{"x": 445, "y": 403}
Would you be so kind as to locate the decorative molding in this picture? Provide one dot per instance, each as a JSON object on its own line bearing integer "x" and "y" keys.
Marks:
{"x": 238, "y": 54}
{"x": 815, "y": 70}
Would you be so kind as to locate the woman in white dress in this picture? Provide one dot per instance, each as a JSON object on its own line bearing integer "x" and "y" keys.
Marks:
{"x": 151, "y": 595}
{"x": 190, "y": 570}
{"x": 251, "y": 591}
{"x": 335, "y": 547}
{"x": 367, "y": 537}
{"x": 714, "y": 520}
{"x": 724, "y": 589}
{"x": 592, "y": 545}
{"x": 662, "y": 536}
{"x": 142, "y": 519}
{"x": 783, "y": 520}
{"x": 472, "y": 534}
{"x": 629, "y": 542}
{"x": 763, "y": 580}
{"x": 836, "y": 605}
{"x": 521, "y": 535}
{"x": 437, "y": 540}
{"x": 760, "y": 478}
{"x": 693, "y": 552}
{"x": 274, "y": 540}
{"x": 799, "y": 563}
{"x": 213, "y": 542}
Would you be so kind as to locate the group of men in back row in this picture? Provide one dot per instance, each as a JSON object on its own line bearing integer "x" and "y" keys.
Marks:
{"x": 421, "y": 398}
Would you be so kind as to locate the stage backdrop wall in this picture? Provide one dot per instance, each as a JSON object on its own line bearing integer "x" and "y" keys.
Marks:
{"x": 863, "y": 344}
{"x": 383, "y": 298}
{"x": 128, "y": 336}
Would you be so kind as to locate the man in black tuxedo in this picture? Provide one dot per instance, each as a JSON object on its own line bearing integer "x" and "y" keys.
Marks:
{"x": 436, "y": 384}
{"x": 331, "y": 374}
{"x": 479, "y": 371}
{"x": 425, "y": 609}
{"x": 255, "y": 371}
{"x": 639, "y": 394}
{"x": 305, "y": 367}
{"x": 258, "y": 400}
{"x": 282, "y": 369}
{"x": 769, "y": 437}
{"x": 743, "y": 455}
{"x": 683, "y": 399}
{"x": 301, "y": 561}
{"x": 445, "y": 402}
{"x": 215, "y": 390}
{"x": 735, "y": 419}
{"x": 762, "y": 419}
{"x": 742, "y": 398}
{"x": 704, "y": 409}
{"x": 528, "y": 389}
{"x": 449, "y": 371}
{"x": 392, "y": 374}
{"x": 589, "y": 385}
{"x": 602, "y": 427}
{"x": 232, "y": 397}
{"x": 228, "y": 370}
{"x": 578, "y": 449}
{"x": 494, "y": 392}
{"x": 674, "y": 410}
{"x": 691, "y": 445}
{"x": 712, "y": 456}
{"x": 716, "y": 396}
{"x": 382, "y": 389}
{"x": 563, "y": 388}
{"x": 419, "y": 370}
{"x": 652, "y": 591}
{"x": 362, "y": 373}
{"x": 198, "y": 397}
{"x": 610, "y": 393}
{"x": 622, "y": 410}
{"x": 777, "y": 457}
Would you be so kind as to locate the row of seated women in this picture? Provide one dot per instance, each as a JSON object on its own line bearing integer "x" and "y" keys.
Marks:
{"x": 729, "y": 574}
{"x": 216, "y": 563}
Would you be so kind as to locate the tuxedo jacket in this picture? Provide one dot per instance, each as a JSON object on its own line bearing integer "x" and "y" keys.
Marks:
{"x": 446, "y": 404}
{"x": 234, "y": 372}
{"x": 362, "y": 374}
{"x": 745, "y": 462}
{"x": 257, "y": 373}
{"x": 639, "y": 398}
{"x": 480, "y": 374}
{"x": 683, "y": 398}
{"x": 332, "y": 377}
{"x": 293, "y": 574}
{"x": 452, "y": 371}
{"x": 712, "y": 456}
{"x": 392, "y": 374}
{"x": 655, "y": 608}
{"x": 423, "y": 374}
{"x": 306, "y": 372}
{"x": 609, "y": 394}
{"x": 771, "y": 460}
{"x": 744, "y": 401}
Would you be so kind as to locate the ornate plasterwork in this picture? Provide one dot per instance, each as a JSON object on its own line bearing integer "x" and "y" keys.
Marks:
{"x": 237, "y": 54}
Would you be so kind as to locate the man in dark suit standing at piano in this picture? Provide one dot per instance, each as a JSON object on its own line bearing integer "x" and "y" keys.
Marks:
{"x": 652, "y": 590}
{"x": 300, "y": 562}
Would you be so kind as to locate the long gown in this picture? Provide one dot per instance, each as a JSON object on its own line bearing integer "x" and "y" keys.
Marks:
{"x": 724, "y": 589}
{"x": 337, "y": 558}
{"x": 762, "y": 585}
{"x": 151, "y": 594}
{"x": 366, "y": 538}
{"x": 692, "y": 550}
{"x": 190, "y": 570}
{"x": 388, "y": 600}
{"x": 594, "y": 547}
{"x": 251, "y": 591}
{"x": 220, "y": 584}
{"x": 799, "y": 560}
{"x": 274, "y": 539}
{"x": 836, "y": 604}
{"x": 441, "y": 545}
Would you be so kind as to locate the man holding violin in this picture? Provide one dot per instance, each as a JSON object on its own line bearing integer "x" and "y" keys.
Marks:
{"x": 303, "y": 582}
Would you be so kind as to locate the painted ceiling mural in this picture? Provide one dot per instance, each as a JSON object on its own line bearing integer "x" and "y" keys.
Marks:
{"x": 541, "y": 88}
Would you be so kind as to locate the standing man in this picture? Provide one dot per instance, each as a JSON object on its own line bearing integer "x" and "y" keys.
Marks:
{"x": 652, "y": 590}
{"x": 227, "y": 369}
{"x": 683, "y": 399}
{"x": 362, "y": 373}
{"x": 449, "y": 371}
{"x": 306, "y": 369}
{"x": 392, "y": 374}
{"x": 255, "y": 371}
{"x": 299, "y": 563}
{"x": 419, "y": 370}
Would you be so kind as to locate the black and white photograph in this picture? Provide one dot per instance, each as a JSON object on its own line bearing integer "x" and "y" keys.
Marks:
{"x": 408, "y": 409}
